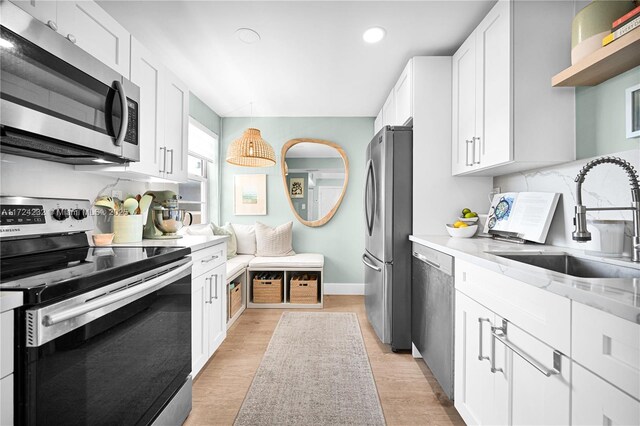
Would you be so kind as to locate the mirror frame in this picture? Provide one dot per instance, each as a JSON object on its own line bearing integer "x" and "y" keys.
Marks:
{"x": 293, "y": 142}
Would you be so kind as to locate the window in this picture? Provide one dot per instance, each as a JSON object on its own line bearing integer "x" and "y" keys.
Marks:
{"x": 200, "y": 192}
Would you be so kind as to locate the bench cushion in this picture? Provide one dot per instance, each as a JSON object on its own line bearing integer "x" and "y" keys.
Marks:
{"x": 300, "y": 260}
{"x": 237, "y": 263}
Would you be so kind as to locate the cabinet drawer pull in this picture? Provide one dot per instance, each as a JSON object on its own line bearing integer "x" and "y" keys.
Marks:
{"x": 474, "y": 149}
{"x": 500, "y": 334}
{"x": 71, "y": 38}
{"x": 480, "y": 321}
{"x": 214, "y": 257}
{"x": 52, "y": 25}
{"x": 171, "y": 151}
{"x": 466, "y": 161}
{"x": 205, "y": 280}
{"x": 163, "y": 150}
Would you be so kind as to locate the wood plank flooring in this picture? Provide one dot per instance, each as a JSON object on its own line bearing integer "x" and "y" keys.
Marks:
{"x": 408, "y": 392}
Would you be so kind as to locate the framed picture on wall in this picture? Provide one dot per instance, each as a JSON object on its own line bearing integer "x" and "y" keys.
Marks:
{"x": 250, "y": 195}
{"x": 296, "y": 187}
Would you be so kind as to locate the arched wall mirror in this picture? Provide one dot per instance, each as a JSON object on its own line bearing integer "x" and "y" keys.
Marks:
{"x": 315, "y": 173}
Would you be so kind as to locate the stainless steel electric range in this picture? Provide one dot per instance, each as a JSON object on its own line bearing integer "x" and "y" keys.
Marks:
{"x": 104, "y": 335}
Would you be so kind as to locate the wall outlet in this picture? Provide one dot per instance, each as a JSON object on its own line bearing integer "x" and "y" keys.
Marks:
{"x": 116, "y": 194}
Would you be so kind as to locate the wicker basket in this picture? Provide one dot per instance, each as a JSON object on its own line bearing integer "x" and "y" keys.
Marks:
{"x": 235, "y": 300}
{"x": 267, "y": 289}
{"x": 304, "y": 289}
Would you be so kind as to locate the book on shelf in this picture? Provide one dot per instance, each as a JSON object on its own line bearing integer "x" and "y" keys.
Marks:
{"x": 627, "y": 28}
{"x": 624, "y": 19}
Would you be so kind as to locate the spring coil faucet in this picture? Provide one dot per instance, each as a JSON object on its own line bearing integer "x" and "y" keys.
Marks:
{"x": 581, "y": 233}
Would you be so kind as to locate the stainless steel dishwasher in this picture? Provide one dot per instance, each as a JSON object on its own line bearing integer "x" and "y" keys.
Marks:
{"x": 432, "y": 312}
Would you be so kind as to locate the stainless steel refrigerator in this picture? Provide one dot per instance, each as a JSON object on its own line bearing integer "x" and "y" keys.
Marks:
{"x": 387, "y": 214}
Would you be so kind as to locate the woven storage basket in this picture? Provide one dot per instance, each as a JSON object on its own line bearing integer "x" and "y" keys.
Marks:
{"x": 235, "y": 300}
{"x": 267, "y": 290}
{"x": 304, "y": 289}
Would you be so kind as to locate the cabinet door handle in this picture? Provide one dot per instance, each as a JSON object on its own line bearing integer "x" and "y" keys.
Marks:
{"x": 466, "y": 161}
{"x": 52, "y": 25}
{"x": 171, "y": 151}
{"x": 500, "y": 334}
{"x": 205, "y": 280}
{"x": 480, "y": 355}
{"x": 474, "y": 149}
{"x": 214, "y": 257}
{"x": 163, "y": 150}
{"x": 71, "y": 38}
{"x": 216, "y": 287}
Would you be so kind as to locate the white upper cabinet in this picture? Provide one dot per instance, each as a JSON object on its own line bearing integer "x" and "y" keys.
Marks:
{"x": 147, "y": 72}
{"x": 506, "y": 115}
{"x": 87, "y": 25}
{"x": 403, "y": 95}
{"x": 43, "y": 10}
{"x": 398, "y": 108}
{"x": 176, "y": 125}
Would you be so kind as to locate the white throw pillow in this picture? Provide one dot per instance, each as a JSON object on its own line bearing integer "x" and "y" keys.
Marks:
{"x": 199, "y": 229}
{"x": 246, "y": 237}
{"x": 274, "y": 241}
{"x": 232, "y": 243}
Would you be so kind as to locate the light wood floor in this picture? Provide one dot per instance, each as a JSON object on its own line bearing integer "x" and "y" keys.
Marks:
{"x": 408, "y": 392}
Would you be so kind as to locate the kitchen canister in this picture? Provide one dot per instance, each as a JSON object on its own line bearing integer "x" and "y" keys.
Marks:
{"x": 593, "y": 23}
{"x": 127, "y": 229}
{"x": 608, "y": 237}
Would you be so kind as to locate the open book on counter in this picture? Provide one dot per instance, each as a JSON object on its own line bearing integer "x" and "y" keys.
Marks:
{"x": 522, "y": 215}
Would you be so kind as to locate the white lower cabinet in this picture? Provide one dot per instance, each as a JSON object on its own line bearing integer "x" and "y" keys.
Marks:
{"x": 6, "y": 400}
{"x": 209, "y": 310}
{"x": 596, "y": 402}
{"x": 503, "y": 375}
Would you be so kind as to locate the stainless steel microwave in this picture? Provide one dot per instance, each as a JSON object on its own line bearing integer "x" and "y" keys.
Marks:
{"x": 59, "y": 103}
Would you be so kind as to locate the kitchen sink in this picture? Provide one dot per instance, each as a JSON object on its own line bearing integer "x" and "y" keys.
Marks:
{"x": 572, "y": 265}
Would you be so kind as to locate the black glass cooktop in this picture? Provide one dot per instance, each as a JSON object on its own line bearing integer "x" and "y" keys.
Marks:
{"x": 52, "y": 275}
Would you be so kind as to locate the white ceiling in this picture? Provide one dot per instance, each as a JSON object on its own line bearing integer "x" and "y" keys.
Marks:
{"x": 311, "y": 60}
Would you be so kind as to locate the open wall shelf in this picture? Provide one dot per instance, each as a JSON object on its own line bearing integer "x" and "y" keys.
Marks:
{"x": 607, "y": 62}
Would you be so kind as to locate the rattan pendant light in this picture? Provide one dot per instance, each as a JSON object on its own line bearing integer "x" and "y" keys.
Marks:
{"x": 251, "y": 150}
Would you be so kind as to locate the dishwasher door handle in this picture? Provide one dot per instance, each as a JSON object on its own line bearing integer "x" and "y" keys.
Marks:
{"x": 374, "y": 267}
{"x": 425, "y": 260}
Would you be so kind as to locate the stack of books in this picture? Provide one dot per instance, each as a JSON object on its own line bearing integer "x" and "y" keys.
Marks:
{"x": 623, "y": 25}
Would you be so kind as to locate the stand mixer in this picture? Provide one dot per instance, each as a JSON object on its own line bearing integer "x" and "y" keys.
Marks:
{"x": 165, "y": 219}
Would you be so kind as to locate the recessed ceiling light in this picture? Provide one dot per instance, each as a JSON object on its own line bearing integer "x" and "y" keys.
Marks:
{"x": 247, "y": 35}
{"x": 374, "y": 34}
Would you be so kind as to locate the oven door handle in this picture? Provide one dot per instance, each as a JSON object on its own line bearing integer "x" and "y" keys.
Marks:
{"x": 108, "y": 299}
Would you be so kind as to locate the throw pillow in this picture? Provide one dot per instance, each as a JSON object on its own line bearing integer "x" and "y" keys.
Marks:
{"x": 246, "y": 237}
{"x": 274, "y": 241}
{"x": 232, "y": 243}
{"x": 199, "y": 229}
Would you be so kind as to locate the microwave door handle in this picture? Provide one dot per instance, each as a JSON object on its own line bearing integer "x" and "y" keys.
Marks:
{"x": 124, "y": 123}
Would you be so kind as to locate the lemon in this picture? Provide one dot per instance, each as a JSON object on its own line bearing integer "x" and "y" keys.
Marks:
{"x": 459, "y": 224}
{"x": 470, "y": 215}
{"x": 463, "y": 225}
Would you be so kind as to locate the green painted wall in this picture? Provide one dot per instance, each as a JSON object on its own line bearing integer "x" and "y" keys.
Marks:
{"x": 341, "y": 240}
{"x": 600, "y": 117}
{"x": 203, "y": 114}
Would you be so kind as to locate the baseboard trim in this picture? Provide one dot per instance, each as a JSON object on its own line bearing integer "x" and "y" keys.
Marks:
{"x": 344, "y": 288}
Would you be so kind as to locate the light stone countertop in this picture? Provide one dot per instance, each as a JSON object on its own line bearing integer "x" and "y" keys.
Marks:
{"x": 10, "y": 300}
{"x": 618, "y": 296}
{"x": 195, "y": 242}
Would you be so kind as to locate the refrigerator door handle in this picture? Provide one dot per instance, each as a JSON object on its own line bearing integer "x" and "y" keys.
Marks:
{"x": 364, "y": 260}
{"x": 369, "y": 217}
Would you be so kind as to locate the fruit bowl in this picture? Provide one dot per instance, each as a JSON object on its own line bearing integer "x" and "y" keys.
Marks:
{"x": 466, "y": 232}
{"x": 468, "y": 220}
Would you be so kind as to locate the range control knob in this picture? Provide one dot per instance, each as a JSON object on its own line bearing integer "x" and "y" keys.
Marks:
{"x": 60, "y": 214}
{"x": 78, "y": 214}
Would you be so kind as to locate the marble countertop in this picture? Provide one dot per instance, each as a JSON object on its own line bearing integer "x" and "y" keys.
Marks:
{"x": 195, "y": 242}
{"x": 618, "y": 296}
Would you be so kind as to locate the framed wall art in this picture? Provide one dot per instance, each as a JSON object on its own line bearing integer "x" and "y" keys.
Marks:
{"x": 250, "y": 195}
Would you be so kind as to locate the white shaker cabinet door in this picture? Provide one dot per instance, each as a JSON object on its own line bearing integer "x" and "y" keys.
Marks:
{"x": 493, "y": 144}
{"x": 378, "y": 123}
{"x": 218, "y": 305}
{"x": 389, "y": 111}
{"x": 463, "y": 106}
{"x": 200, "y": 314}
{"x": 147, "y": 72}
{"x": 95, "y": 31}
{"x": 596, "y": 402}
{"x": 403, "y": 93}
{"x": 474, "y": 381}
{"x": 176, "y": 121}
{"x": 43, "y": 10}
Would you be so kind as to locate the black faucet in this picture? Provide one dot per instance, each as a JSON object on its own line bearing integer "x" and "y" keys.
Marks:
{"x": 581, "y": 233}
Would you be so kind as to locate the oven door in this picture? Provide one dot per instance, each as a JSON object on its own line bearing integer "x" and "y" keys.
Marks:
{"x": 116, "y": 355}
{"x": 55, "y": 94}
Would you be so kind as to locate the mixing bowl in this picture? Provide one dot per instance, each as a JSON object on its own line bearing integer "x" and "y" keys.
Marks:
{"x": 170, "y": 221}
